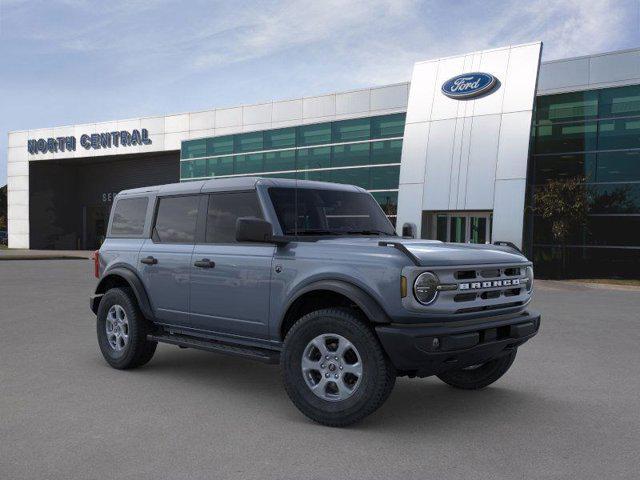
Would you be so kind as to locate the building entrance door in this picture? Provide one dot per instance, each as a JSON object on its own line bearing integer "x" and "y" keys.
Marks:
{"x": 459, "y": 227}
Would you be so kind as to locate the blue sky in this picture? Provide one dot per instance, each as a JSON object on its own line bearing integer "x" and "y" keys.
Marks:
{"x": 72, "y": 61}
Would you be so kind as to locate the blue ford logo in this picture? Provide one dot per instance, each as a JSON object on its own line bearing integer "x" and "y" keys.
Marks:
{"x": 468, "y": 85}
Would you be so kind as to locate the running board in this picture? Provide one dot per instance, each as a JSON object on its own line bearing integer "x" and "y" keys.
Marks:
{"x": 260, "y": 354}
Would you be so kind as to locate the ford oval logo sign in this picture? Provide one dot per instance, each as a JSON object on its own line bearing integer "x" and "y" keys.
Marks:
{"x": 469, "y": 85}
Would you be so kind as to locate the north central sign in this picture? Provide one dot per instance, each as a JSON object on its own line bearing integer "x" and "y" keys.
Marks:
{"x": 93, "y": 141}
{"x": 469, "y": 85}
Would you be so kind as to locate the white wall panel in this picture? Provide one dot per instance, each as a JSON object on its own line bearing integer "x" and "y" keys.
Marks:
{"x": 287, "y": 111}
{"x": 556, "y": 75}
{"x": 176, "y": 123}
{"x": 314, "y": 107}
{"x": 423, "y": 86}
{"x": 520, "y": 83}
{"x": 508, "y": 210}
{"x": 614, "y": 67}
{"x": 18, "y": 139}
{"x": 17, "y": 168}
{"x": 257, "y": 114}
{"x": 18, "y": 240}
{"x": 494, "y": 62}
{"x": 437, "y": 179}
{"x": 17, "y": 154}
{"x": 514, "y": 145}
{"x": 352, "y": 102}
{"x": 393, "y": 96}
{"x": 202, "y": 120}
{"x": 443, "y": 106}
{"x": 409, "y": 201}
{"x": 414, "y": 152}
{"x": 228, "y": 117}
{"x": 154, "y": 125}
{"x": 481, "y": 165}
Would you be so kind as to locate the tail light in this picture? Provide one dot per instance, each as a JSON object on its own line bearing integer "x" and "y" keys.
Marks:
{"x": 96, "y": 263}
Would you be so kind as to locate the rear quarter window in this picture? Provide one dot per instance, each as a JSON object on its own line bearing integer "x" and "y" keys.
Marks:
{"x": 128, "y": 217}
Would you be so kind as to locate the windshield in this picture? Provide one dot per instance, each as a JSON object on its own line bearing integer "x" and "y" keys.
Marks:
{"x": 306, "y": 211}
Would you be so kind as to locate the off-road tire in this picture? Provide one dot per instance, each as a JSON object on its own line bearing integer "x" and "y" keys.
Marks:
{"x": 378, "y": 376}
{"x": 138, "y": 350}
{"x": 481, "y": 376}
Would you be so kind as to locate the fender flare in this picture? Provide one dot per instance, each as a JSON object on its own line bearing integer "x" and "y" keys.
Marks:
{"x": 134, "y": 283}
{"x": 369, "y": 306}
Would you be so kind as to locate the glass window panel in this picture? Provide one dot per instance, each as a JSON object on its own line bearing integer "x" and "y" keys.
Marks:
{"x": 388, "y": 126}
{"x": 352, "y": 130}
{"x": 220, "y": 166}
{"x": 318, "y": 157}
{"x": 223, "y": 211}
{"x": 620, "y": 102}
{"x": 616, "y": 134}
{"x": 275, "y": 161}
{"x": 566, "y": 107}
{"x": 441, "y": 228}
{"x": 186, "y": 169}
{"x": 383, "y": 178}
{"x": 248, "y": 142}
{"x": 478, "y": 229}
{"x": 280, "y": 138}
{"x": 194, "y": 148}
{"x": 618, "y": 167}
{"x": 574, "y": 137}
{"x": 220, "y": 145}
{"x": 128, "y": 216}
{"x": 348, "y": 155}
{"x": 318, "y": 176}
{"x": 351, "y": 176}
{"x": 316, "y": 134}
{"x": 618, "y": 198}
{"x": 250, "y": 163}
{"x": 457, "y": 229}
{"x": 553, "y": 167}
{"x": 388, "y": 201}
{"x": 388, "y": 151}
{"x": 176, "y": 219}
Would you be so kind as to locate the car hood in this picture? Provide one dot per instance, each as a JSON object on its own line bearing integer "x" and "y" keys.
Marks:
{"x": 436, "y": 253}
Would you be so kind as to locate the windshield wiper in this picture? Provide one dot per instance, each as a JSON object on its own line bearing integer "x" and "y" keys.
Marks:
{"x": 368, "y": 232}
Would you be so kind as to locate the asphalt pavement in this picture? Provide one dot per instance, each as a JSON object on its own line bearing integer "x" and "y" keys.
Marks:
{"x": 569, "y": 408}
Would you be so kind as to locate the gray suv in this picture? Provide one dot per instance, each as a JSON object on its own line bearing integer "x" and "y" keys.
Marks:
{"x": 312, "y": 276}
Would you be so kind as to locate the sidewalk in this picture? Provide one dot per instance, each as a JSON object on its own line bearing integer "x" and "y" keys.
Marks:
{"x": 20, "y": 254}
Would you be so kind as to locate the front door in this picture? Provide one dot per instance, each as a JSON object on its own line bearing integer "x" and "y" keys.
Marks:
{"x": 165, "y": 259}
{"x": 460, "y": 227}
{"x": 231, "y": 281}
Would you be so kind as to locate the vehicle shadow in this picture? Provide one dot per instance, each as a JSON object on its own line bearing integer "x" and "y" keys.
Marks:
{"x": 414, "y": 403}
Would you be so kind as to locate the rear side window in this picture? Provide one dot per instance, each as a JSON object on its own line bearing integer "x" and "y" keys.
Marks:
{"x": 224, "y": 209}
{"x": 176, "y": 219}
{"x": 128, "y": 216}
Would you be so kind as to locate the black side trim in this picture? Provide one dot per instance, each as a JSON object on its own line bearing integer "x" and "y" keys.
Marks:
{"x": 133, "y": 281}
{"x": 403, "y": 249}
{"x": 363, "y": 300}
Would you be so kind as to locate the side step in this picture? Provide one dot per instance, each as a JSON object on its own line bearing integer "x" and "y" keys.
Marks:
{"x": 260, "y": 354}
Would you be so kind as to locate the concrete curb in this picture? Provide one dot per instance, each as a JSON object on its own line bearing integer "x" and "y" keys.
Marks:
{"x": 40, "y": 257}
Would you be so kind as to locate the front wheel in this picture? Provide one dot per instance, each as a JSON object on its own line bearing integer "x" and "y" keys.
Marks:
{"x": 479, "y": 376}
{"x": 334, "y": 368}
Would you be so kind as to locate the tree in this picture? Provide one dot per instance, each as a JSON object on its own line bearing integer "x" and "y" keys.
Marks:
{"x": 3, "y": 208}
{"x": 565, "y": 204}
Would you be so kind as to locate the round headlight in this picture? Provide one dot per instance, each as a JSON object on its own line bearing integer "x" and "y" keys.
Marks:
{"x": 529, "y": 274}
{"x": 425, "y": 288}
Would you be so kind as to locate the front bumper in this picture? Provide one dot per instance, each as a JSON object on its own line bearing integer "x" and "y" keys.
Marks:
{"x": 425, "y": 350}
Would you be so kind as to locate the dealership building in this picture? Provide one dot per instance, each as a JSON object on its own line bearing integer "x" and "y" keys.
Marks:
{"x": 459, "y": 153}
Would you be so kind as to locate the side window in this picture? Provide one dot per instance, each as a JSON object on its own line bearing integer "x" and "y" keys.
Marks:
{"x": 176, "y": 219}
{"x": 224, "y": 209}
{"x": 128, "y": 216}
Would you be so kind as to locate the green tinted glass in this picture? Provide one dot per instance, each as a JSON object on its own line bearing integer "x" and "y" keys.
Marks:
{"x": 566, "y": 107}
{"x": 220, "y": 166}
{"x": 388, "y": 151}
{"x": 314, "y": 134}
{"x": 186, "y": 169}
{"x": 275, "y": 161}
{"x": 318, "y": 157}
{"x": 388, "y": 201}
{"x": 352, "y": 130}
{"x": 620, "y": 102}
{"x": 352, "y": 176}
{"x": 250, "y": 163}
{"x": 348, "y": 155}
{"x": 383, "y": 178}
{"x": 388, "y": 126}
{"x": 571, "y": 165}
{"x": 614, "y": 134}
{"x": 280, "y": 138}
{"x": 220, "y": 145}
{"x": 573, "y": 137}
{"x": 248, "y": 142}
{"x": 194, "y": 148}
{"x": 318, "y": 176}
{"x": 618, "y": 167}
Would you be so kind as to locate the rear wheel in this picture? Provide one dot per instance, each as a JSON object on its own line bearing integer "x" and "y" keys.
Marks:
{"x": 479, "y": 376}
{"x": 334, "y": 368}
{"x": 122, "y": 330}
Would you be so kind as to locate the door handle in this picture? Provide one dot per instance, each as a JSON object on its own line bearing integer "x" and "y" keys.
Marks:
{"x": 149, "y": 260}
{"x": 204, "y": 263}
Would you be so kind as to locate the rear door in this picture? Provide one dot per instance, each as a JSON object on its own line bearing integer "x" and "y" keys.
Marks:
{"x": 165, "y": 258}
{"x": 230, "y": 281}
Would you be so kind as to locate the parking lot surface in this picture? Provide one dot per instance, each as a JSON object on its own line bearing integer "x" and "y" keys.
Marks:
{"x": 568, "y": 408}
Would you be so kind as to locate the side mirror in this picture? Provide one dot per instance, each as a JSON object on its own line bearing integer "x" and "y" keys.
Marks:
{"x": 251, "y": 229}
